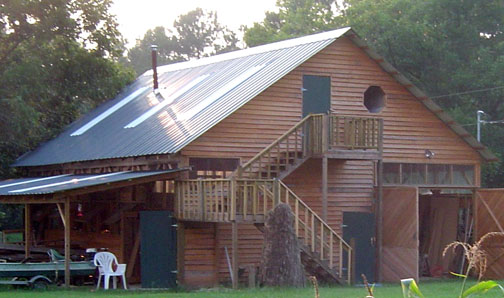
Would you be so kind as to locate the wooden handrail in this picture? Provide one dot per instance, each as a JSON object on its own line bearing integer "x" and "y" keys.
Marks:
{"x": 351, "y": 132}
{"x": 226, "y": 200}
{"x": 283, "y": 144}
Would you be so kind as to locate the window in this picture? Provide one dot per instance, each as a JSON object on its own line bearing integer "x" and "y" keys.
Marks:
{"x": 212, "y": 167}
{"x": 374, "y": 99}
{"x": 428, "y": 174}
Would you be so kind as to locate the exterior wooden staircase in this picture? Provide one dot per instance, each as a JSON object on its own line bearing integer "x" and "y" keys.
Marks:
{"x": 256, "y": 188}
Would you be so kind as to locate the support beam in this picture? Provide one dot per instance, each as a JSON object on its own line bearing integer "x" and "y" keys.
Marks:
{"x": 180, "y": 252}
{"x": 67, "y": 242}
{"x": 379, "y": 219}
{"x": 27, "y": 232}
{"x": 235, "y": 253}
{"x": 61, "y": 213}
{"x": 324, "y": 187}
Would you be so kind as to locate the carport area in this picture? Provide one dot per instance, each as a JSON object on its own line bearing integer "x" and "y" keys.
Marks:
{"x": 75, "y": 212}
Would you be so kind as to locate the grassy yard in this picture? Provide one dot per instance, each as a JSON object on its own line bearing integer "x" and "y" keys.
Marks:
{"x": 437, "y": 289}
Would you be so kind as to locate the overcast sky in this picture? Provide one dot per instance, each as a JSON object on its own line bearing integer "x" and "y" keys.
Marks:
{"x": 135, "y": 17}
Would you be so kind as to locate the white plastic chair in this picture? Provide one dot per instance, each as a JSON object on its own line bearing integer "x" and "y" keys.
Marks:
{"x": 105, "y": 262}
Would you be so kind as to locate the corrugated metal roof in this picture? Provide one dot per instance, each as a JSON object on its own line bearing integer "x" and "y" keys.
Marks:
{"x": 232, "y": 80}
{"x": 60, "y": 183}
{"x": 126, "y": 127}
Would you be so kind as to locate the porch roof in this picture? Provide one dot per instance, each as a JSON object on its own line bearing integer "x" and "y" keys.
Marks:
{"x": 60, "y": 186}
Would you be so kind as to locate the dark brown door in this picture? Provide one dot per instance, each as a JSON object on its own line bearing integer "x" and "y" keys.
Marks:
{"x": 400, "y": 233}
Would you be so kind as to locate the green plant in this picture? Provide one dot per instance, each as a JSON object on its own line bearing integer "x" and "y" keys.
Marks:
{"x": 410, "y": 288}
{"x": 477, "y": 260}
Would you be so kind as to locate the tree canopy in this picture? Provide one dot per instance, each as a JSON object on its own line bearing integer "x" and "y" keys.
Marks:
{"x": 195, "y": 34}
{"x": 57, "y": 61}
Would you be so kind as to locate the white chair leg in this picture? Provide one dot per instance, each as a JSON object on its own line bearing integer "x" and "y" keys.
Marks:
{"x": 124, "y": 282}
{"x": 107, "y": 281}
{"x": 99, "y": 281}
{"x": 114, "y": 282}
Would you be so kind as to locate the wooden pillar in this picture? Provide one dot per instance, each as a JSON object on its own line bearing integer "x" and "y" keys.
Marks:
{"x": 379, "y": 219}
{"x": 235, "y": 254}
{"x": 324, "y": 187}
{"x": 27, "y": 232}
{"x": 180, "y": 252}
{"x": 67, "y": 242}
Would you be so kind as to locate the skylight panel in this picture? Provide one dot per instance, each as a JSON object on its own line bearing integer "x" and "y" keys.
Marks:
{"x": 221, "y": 92}
{"x": 32, "y": 181}
{"x": 108, "y": 112}
{"x": 166, "y": 101}
{"x": 71, "y": 181}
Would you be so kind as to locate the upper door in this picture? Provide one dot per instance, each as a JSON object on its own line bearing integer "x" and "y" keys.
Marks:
{"x": 489, "y": 217}
{"x": 400, "y": 233}
{"x": 316, "y": 94}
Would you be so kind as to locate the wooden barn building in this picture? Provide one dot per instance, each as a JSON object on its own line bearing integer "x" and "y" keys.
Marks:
{"x": 176, "y": 174}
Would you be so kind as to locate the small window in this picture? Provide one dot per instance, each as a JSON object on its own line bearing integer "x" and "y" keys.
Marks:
{"x": 212, "y": 167}
{"x": 374, "y": 99}
{"x": 391, "y": 173}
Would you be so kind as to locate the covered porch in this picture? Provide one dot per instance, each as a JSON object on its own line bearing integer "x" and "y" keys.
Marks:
{"x": 73, "y": 212}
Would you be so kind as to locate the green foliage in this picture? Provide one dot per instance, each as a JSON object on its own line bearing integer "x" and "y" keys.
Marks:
{"x": 481, "y": 288}
{"x": 57, "y": 61}
{"x": 294, "y": 18}
{"x": 410, "y": 288}
{"x": 196, "y": 34}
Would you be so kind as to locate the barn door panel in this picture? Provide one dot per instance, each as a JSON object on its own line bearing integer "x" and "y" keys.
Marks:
{"x": 400, "y": 233}
{"x": 489, "y": 204}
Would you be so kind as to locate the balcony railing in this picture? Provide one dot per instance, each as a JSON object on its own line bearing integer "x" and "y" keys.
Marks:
{"x": 316, "y": 134}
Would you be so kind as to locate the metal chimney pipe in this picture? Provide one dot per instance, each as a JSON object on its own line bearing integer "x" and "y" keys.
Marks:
{"x": 154, "y": 66}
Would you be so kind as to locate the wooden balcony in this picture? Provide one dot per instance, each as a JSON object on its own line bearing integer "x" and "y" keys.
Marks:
{"x": 318, "y": 135}
{"x": 249, "y": 201}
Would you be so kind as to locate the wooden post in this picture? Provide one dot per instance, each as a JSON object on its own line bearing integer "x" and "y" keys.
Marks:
{"x": 27, "y": 224}
{"x": 351, "y": 262}
{"x": 379, "y": 219}
{"x": 235, "y": 253}
{"x": 324, "y": 187}
{"x": 276, "y": 193}
{"x": 325, "y": 133}
{"x": 180, "y": 252}
{"x": 67, "y": 242}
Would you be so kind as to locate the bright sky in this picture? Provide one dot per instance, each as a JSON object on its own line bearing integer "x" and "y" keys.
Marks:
{"x": 135, "y": 17}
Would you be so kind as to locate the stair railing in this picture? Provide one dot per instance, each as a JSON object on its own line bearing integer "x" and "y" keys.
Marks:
{"x": 299, "y": 142}
{"x": 249, "y": 200}
{"x": 316, "y": 234}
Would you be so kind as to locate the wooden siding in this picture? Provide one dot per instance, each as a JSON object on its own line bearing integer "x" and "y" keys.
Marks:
{"x": 250, "y": 244}
{"x": 199, "y": 254}
{"x": 350, "y": 187}
{"x": 410, "y": 127}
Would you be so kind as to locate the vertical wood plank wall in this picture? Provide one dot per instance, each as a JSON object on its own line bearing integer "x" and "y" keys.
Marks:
{"x": 409, "y": 129}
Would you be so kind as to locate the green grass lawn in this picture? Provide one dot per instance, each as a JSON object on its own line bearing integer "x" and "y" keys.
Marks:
{"x": 437, "y": 289}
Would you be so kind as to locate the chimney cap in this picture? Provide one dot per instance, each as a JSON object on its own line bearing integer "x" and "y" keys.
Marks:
{"x": 154, "y": 47}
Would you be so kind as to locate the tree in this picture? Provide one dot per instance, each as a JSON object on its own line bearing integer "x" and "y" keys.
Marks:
{"x": 294, "y": 18}
{"x": 196, "y": 34}
{"x": 57, "y": 61}
{"x": 445, "y": 47}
